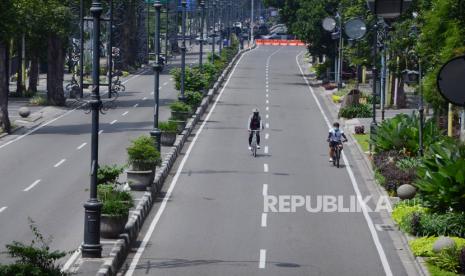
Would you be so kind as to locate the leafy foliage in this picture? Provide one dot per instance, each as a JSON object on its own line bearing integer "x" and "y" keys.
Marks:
{"x": 355, "y": 111}
{"x": 116, "y": 201}
{"x": 441, "y": 178}
{"x": 401, "y": 133}
{"x": 108, "y": 174}
{"x": 179, "y": 106}
{"x": 143, "y": 152}
{"x": 168, "y": 126}
{"x": 385, "y": 163}
{"x": 35, "y": 258}
{"x": 193, "y": 98}
{"x": 194, "y": 79}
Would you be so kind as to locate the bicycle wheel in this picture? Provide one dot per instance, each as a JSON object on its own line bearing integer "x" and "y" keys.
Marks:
{"x": 338, "y": 156}
{"x": 334, "y": 156}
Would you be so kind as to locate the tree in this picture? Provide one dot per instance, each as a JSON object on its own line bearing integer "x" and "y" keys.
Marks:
{"x": 7, "y": 24}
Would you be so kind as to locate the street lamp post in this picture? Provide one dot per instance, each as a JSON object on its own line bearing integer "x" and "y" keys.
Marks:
{"x": 202, "y": 22}
{"x": 81, "y": 49}
{"x": 110, "y": 55}
{"x": 183, "y": 50}
{"x": 214, "y": 30}
{"x": 157, "y": 68}
{"x": 91, "y": 248}
{"x": 387, "y": 10}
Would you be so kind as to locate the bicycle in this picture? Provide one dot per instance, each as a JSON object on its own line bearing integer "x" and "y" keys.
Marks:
{"x": 254, "y": 144}
{"x": 337, "y": 149}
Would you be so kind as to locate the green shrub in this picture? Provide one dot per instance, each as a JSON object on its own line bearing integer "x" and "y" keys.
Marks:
{"x": 422, "y": 246}
{"x": 179, "y": 106}
{"x": 436, "y": 271}
{"x": 401, "y": 133}
{"x": 405, "y": 214}
{"x": 115, "y": 201}
{"x": 193, "y": 98}
{"x": 436, "y": 224}
{"x": 408, "y": 163}
{"x": 109, "y": 174}
{"x": 447, "y": 260}
{"x": 168, "y": 126}
{"x": 386, "y": 164}
{"x": 210, "y": 74}
{"x": 38, "y": 100}
{"x": 320, "y": 69}
{"x": 355, "y": 111}
{"x": 35, "y": 258}
{"x": 143, "y": 152}
{"x": 193, "y": 79}
{"x": 441, "y": 177}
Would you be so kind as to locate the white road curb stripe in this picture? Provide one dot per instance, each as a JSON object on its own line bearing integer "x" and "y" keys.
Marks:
{"x": 371, "y": 227}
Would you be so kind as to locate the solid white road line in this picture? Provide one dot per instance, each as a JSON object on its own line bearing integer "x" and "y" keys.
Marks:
{"x": 267, "y": 135}
{"x": 81, "y": 146}
{"x": 3, "y": 208}
{"x": 371, "y": 227}
{"x": 153, "y": 224}
{"x": 113, "y": 122}
{"x": 59, "y": 163}
{"x": 266, "y": 149}
{"x": 265, "y": 190}
{"x": 136, "y": 105}
{"x": 264, "y": 219}
{"x": 125, "y": 113}
{"x": 265, "y": 167}
{"x": 262, "y": 261}
{"x": 32, "y": 185}
{"x": 100, "y": 132}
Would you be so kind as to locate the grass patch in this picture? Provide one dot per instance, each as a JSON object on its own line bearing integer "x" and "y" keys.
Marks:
{"x": 363, "y": 140}
{"x": 436, "y": 271}
{"x": 424, "y": 246}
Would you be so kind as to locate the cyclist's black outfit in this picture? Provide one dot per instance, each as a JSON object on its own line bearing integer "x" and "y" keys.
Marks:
{"x": 255, "y": 123}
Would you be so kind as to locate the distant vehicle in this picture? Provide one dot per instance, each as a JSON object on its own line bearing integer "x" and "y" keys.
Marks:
{"x": 238, "y": 25}
{"x": 281, "y": 29}
{"x": 272, "y": 29}
{"x": 281, "y": 36}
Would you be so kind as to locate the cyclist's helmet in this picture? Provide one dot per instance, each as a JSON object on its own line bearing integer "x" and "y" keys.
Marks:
{"x": 255, "y": 111}
{"x": 336, "y": 124}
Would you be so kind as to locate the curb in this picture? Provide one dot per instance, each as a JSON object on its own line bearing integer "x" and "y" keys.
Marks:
{"x": 123, "y": 245}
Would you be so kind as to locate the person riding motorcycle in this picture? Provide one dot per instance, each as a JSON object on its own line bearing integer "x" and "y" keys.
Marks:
{"x": 254, "y": 123}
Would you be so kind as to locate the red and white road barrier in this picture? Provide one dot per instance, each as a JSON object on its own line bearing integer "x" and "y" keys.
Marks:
{"x": 279, "y": 42}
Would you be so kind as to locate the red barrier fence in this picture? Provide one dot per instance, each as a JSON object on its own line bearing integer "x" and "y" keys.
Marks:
{"x": 279, "y": 42}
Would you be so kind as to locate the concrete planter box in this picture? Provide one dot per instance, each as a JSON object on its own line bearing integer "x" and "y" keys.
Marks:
{"x": 168, "y": 138}
{"x": 182, "y": 116}
{"x": 140, "y": 180}
{"x": 112, "y": 226}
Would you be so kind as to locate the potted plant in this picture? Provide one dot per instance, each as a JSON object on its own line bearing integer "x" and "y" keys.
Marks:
{"x": 116, "y": 203}
{"x": 169, "y": 130}
{"x": 181, "y": 125}
{"x": 180, "y": 111}
{"x": 108, "y": 174}
{"x": 143, "y": 157}
{"x": 193, "y": 99}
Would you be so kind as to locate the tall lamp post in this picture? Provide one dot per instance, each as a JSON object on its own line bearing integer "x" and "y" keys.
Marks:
{"x": 183, "y": 50}
{"x": 157, "y": 68}
{"x": 202, "y": 23}
{"x": 213, "y": 30}
{"x": 388, "y": 10}
{"x": 91, "y": 248}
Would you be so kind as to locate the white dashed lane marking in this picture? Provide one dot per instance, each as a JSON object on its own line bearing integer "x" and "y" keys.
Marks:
{"x": 32, "y": 185}
{"x": 60, "y": 163}
{"x": 81, "y": 146}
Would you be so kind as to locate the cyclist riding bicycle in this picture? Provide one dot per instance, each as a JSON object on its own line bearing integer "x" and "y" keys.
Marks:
{"x": 254, "y": 123}
{"x": 335, "y": 138}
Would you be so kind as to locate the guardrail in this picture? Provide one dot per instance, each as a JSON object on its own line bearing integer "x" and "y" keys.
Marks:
{"x": 279, "y": 42}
